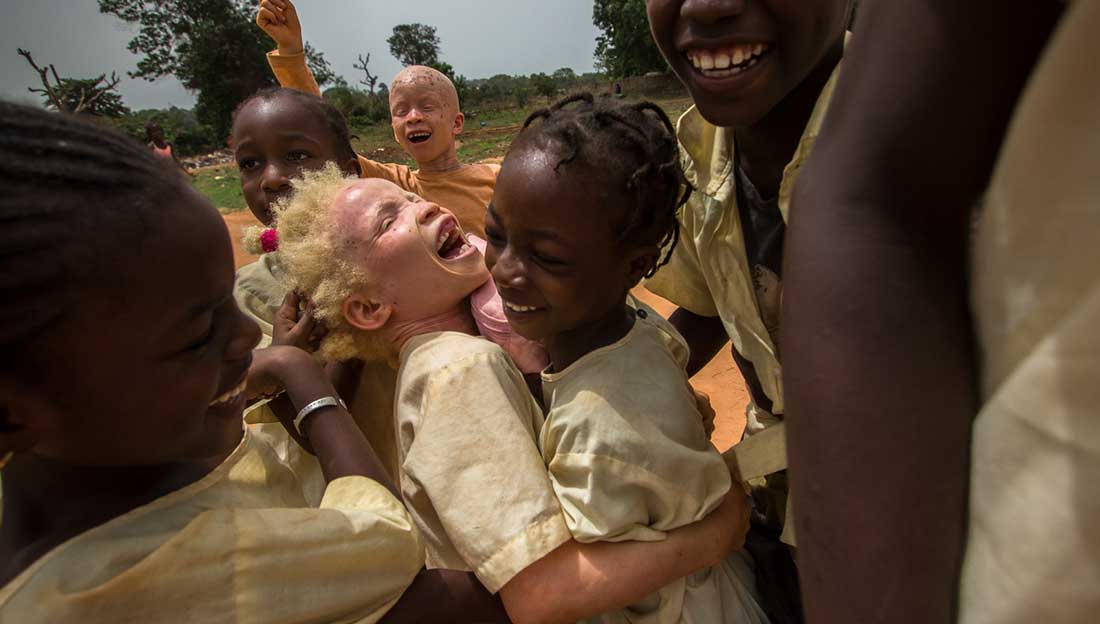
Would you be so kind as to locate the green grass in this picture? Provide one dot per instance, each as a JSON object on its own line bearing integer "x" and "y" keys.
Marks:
{"x": 222, "y": 185}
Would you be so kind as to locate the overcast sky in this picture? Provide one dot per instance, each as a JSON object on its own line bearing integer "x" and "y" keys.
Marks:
{"x": 480, "y": 38}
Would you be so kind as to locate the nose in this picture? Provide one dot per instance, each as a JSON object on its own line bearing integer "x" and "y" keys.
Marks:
{"x": 246, "y": 335}
{"x": 275, "y": 179}
{"x": 711, "y": 11}
{"x": 507, "y": 268}
{"x": 415, "y": 114}
{"x": 428, "y": 212}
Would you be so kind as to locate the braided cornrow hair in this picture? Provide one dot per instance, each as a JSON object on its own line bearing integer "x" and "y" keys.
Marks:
{"x": 634, "y": 143}
{"x": 75, "y": 194}
{"x": 319, "y": 106}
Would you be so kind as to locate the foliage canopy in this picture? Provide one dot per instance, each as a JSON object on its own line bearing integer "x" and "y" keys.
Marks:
{"x": 625, "y": 46}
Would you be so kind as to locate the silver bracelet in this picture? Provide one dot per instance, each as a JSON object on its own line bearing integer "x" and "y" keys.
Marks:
{"x": 329, "y": 401}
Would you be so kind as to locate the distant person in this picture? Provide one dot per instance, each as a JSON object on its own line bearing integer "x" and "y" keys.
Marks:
{"x": 154, "y": 138}
{"x": 424, "y": 114}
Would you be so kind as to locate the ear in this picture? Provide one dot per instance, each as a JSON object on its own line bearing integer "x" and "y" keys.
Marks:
{"x": 639, "y": 262}
{"x": 362, "y": 313}
{"x": 460, "y": 122}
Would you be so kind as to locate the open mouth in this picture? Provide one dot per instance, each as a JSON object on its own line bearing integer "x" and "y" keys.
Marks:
{"x": 230, "y": 395}
{"x": 731, "y": 61}
{"x": 520, "y": 309}
{"x": 450, "y": 243}
{"x": 419, "y": 136}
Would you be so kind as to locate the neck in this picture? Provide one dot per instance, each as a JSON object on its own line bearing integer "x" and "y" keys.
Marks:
{"x": 46, "y": 502}
{"x": 444, "y": 163}
{"x": 570, "y": 346}
{"x": 456, "y": 319}
{"x": 766, "y": 147}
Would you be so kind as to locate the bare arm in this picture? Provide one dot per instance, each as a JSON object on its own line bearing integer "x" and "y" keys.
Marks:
{"x": 880, "y": 374}
{"x": 577, "y": 580}
{"x": 705, "y": 336}
{"x": 332, "y": 433}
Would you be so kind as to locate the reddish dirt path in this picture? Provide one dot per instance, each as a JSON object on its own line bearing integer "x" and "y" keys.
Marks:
{"x": 720, "y": 378}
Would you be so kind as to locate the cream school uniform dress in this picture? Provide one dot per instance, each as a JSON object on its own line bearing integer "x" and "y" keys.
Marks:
{"x": 1033, "y": 551}
{"x": 471, "y": 474}
{"x": 239, "y": 545}
{"x": 629, "y": 460}
{"x": 709, "y": 273}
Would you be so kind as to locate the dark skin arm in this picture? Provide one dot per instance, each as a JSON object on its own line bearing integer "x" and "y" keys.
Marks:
{"x": 880, "y": 373}
{"x": 705, "y": 336}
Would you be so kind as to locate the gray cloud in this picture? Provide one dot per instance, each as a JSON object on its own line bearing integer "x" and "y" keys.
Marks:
{"x": 480, "y": 38}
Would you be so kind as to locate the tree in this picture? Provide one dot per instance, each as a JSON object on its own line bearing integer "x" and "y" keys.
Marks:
{"x": 544, "y": 85}
{"x": 371, "y": 79}
{"x": 625, "y": 47}
{"x": 94, "y": 96}
{"x": 414, "y": 44}
{"x": 211, "y": 46}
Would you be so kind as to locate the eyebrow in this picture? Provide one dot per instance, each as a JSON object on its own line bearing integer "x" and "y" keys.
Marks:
{"x": 536, "y": 233}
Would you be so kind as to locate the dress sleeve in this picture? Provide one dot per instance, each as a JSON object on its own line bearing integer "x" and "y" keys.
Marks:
{"x": 682, "y": 281}
{"x": 474, "y": 456}
{"x": 292, "y": 72}
{"x": 349, "y": 560}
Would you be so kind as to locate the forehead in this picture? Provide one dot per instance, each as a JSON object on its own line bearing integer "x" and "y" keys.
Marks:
{"x": 364, "y": 198}
{"x": 420, "y": 87}
{"x": 266, "y": 120}
{"x": 575, "y": 200}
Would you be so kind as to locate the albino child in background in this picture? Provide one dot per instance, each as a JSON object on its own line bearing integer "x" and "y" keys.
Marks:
{"x": 425, "y": 116}
{"x": 136, "y": 493}
{"x": 390, "y": 275}
{"x": 587, "y": 199}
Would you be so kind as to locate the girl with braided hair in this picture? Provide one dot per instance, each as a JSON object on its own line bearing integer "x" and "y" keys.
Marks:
{"x": 584, "y": 208}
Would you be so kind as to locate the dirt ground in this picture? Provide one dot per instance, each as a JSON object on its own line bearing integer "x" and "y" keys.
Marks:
{"x": 720, "y": 378}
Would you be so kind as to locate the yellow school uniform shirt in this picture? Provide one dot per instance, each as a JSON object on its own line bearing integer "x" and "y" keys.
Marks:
{"x": 709, "y": 273}
{"x": 471, "y": 474}
{"x": 1033, "y": 550}
{"x": 629, "y": 460}
{"x": 259, "y": 292}
{"x": 239, "y": 545}
{"x": 465, "y": 192}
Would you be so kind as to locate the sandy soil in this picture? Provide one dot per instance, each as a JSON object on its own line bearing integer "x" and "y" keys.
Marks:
{"x": 720, "y": 378}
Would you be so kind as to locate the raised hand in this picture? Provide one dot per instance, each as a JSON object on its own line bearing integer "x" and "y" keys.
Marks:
{"x": 279, "y": 19}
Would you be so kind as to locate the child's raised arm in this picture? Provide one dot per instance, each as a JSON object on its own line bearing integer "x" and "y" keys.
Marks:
{"x": 279, "y": 19}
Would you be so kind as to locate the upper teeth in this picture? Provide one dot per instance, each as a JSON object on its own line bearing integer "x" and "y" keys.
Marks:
{"x": 419, "y": 134}
{"x": 729, "y": 60}
{"x": 445, "y": 237}
{"x": 519, "y": 308}
{"x": 230, "y": 394}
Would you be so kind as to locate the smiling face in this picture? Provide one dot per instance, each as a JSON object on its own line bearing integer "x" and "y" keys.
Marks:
{"x": 415, "y": 256}
{"x": 276, "y": 139}
{"x": 552, "y": 250}
{"x": 740, "y": 59}
{"x": 424, "y": 113}
{"x": 149, "y": 368}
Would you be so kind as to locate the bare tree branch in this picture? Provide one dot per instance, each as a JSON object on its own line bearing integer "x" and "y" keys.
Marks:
{"x": 49, "y": 91}
{"x": 371, "y": 78}
{"x": 55, "y": 92}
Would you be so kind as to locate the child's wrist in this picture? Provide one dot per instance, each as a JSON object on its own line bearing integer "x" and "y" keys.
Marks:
{"x": 291, "y": 50}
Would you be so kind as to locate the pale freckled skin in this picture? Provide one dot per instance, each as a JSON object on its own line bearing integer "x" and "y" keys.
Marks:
{"x": 424, "y": 100}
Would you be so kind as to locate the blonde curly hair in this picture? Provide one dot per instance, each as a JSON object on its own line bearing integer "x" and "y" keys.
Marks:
{"x": 316, "y": 261}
